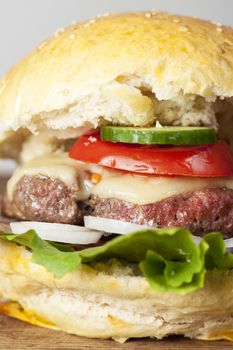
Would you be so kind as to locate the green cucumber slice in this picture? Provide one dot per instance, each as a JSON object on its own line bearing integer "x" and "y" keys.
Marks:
{"x": 168, "y": 135}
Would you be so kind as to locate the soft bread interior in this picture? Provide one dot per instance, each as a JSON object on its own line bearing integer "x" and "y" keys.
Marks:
{"x": 111, "y": 300}
{"x": 130, "y": 69}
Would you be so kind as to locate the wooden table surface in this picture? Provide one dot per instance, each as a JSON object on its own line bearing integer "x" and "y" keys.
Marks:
{"x": 2, "y": 184}
{"x": 17, "y": 335}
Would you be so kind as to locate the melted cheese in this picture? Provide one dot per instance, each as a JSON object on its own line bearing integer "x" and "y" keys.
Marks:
{"x": 57, "y": 166}
{"x": 14, "y": 309}
{"x": 149, "y": 189}
{"x": 132, "y": 188}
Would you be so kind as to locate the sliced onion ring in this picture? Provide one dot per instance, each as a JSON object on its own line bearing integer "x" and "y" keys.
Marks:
{"x": 58, "y": 232}
{"x": 95, "y": 228}
{"x": 228, "y": 241}
{"x": 196, "y": 239}
{"x": 122, "y": 228}
{"x": 113, "y": 226}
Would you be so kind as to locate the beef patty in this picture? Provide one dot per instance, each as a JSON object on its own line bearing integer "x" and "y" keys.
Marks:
{"x": 202, "y": 211}
{"x": 40, "y": 198}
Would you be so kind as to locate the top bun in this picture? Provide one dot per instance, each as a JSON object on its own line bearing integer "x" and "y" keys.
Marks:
{"x": 117, "y": 68}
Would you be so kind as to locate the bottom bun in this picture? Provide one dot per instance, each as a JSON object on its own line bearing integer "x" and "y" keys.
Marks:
{"x": 111, "y": 300}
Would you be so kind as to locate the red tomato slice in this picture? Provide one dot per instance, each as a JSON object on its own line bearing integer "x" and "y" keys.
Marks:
{"x": 205, "y": 161}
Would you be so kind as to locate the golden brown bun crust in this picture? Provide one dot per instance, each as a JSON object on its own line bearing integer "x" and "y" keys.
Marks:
{"x": 113, "y": 303}
{"x": 94, "y": 69}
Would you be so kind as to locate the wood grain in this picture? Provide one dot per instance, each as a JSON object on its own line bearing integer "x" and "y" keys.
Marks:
{"x": 2, "y": 184}
{"x": 17, "y": 335}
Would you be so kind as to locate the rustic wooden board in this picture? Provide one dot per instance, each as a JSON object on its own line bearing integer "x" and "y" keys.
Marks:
{"x": 17, "y": 335}
{"x": 2, "y": 184}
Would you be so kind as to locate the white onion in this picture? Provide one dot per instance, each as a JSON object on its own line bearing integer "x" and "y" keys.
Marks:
{"x": 58, "y": 232}
{"x": 196, "y": 239}
{"x": 113, "y": 226}
{"x": 122, "y": 228}
{"x": 228, "y": 242}
{"x": 95, "y": 228}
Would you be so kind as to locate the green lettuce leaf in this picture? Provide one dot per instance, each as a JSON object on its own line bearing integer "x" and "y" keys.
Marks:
{"x": 217, "y": 255}
{"x": 177, "y": 276}
{"x": 168, "y": 258}
{"x": 56, "y": 258}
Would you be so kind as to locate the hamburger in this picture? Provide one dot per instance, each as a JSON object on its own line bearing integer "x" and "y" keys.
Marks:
{"x": 118, "y": 222}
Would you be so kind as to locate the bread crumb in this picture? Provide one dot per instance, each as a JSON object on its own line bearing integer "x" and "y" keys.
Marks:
{"x": 93, "y": 20}
{"x": 42, "y": 45}
{"x": 59, "y": 31}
